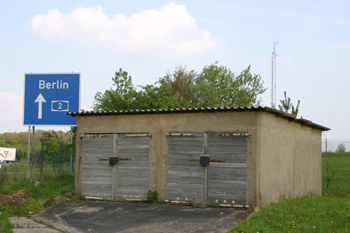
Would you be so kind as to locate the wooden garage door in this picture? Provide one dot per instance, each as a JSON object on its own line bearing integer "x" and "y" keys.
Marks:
{"x": 227, "y": 181}
{"x": 223, "y": 181}
{"x": 96, "y": 174}
{"x": 132, "y": 176}
{"x": 185, "y": 177}
{"x": 126, "y": 180}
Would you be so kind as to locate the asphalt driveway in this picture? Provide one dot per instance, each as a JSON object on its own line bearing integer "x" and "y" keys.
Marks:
{"x": 93, "y": 217}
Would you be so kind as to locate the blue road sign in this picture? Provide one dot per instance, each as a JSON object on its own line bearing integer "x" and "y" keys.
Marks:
{"x": 47, "y": 97}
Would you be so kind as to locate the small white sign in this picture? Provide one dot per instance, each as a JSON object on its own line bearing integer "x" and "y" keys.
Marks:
{"x": 8, "y": 154}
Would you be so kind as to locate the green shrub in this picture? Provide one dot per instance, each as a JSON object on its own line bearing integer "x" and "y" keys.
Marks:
{"x": 152, "y": 197}
{"x": 341, "y": 148}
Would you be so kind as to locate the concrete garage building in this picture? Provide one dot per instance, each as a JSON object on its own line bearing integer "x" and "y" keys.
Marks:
{"x": 212, "y": 156}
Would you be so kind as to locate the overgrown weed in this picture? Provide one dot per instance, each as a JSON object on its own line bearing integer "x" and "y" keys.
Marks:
{"x": 54, "y": 184}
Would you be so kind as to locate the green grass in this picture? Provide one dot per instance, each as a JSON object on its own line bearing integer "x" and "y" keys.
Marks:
{"x": 340, "y": 182}
{"x": 19, "y": 171}
{"x": 304, "y": 214}
{"x": 21, "y": 167}
{"x": 53, "y": 185}
{"x": 328, "y": 213}
{"x": 5, "y": 225}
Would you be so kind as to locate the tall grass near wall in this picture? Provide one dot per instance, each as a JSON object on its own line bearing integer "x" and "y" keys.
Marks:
{"x": 327, "y": 213}
{"x": 53, "y": 183}
{"x": 48, "y": 178}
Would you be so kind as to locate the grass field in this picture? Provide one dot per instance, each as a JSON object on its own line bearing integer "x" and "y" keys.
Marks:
{"x": 18, "y": 171}
{"x": 22, "y": 167}
{"x": 340, "y": 182}
{"x": 54, "y": 184}
{"x": 328, "y": 213}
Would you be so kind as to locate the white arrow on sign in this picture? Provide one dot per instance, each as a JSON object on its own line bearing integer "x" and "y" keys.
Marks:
{"x": 40, "y": 99}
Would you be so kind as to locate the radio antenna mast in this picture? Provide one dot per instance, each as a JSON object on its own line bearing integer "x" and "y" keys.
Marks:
{"x": 273, "y": 76}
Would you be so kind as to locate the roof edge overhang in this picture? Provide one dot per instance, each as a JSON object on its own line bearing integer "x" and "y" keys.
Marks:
{"x": 276, "y": 112}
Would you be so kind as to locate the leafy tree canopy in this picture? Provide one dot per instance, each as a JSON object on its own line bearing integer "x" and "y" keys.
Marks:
{"x": 180, "y": 82}
{"x": 120, "y": 98}
{"x": 214, "y": 86}
{"x": 2, "y": 141}
{"x": 217, "y": 86}
{"x": 57, "y": 142}
{"x": 52, "y": 140}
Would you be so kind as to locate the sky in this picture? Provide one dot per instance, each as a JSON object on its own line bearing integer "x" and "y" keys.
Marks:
{"x": 149, "y": 38}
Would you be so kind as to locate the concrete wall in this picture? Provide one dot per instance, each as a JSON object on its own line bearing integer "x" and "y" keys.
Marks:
{"x": 284, "y": 157}
{"x": 289, "y": 156}
{"x": 158, "y": 125}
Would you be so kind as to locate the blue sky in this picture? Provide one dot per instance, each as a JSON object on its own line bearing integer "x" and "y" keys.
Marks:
{"x": 148, "y": 38}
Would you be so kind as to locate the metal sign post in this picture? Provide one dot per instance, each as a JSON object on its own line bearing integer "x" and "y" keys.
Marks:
{"x": 33, "y": 155}
{"x": 28, "y": 165}
{"x": 71, "y": 151}
{"x": 47, "y": 97}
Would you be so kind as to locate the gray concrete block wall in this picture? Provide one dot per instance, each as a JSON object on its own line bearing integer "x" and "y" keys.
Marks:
{"x": 273, "y": 146}
{"x": 290, "y": 159}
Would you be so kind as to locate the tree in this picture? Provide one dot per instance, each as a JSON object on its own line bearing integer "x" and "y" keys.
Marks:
{"x": 204, "y": 95}
{"x": 287, "y": 105}
{"x": 52, "y": 143}
{"x": 52, "y": 148}
{"x": 2, "y": 141}
{"x": 247, "y": 87}
{"x": 215, "y": 86}
{"x": 73, "y": 129}
{"x": 159, "y": 96}
{"x": 180, "y": 82}
{"x": 125, "y": 97}
{"x": 122, "y": 98}
{"x": 341, "y": 148}
{"x": 218, "y": 86}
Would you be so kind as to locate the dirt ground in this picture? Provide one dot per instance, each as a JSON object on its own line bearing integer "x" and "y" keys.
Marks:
{"x": 11, "y": 200}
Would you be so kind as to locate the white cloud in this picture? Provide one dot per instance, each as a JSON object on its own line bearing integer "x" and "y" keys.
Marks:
{"x": 169, "y": 32}
{"x": 11, "y": 115}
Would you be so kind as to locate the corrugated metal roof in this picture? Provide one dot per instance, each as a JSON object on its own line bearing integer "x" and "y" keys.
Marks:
{"x": 276, "y": 112}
